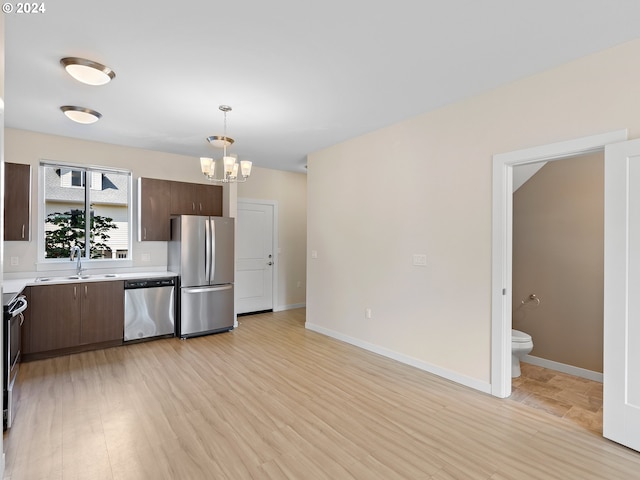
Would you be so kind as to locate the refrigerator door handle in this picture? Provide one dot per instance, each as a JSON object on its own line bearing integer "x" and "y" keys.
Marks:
{"x": 209, "y": 289}
{"x": 212, "y": 252}
{"x": 207, "y": 251}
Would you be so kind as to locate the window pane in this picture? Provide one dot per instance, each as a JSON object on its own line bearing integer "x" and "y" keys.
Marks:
{"x": 64, "y": 212}
{"x": 109, "y": 196}
{"x": 77, "y": 178}
{"x": 65, "y": 190}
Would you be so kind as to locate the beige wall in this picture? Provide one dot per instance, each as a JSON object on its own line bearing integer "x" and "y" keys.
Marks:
{"x": 558, "y": 254}
{"x": 424, "y": 186}
{"x": 289, "y": 191}
{"x": 29, "y": 147}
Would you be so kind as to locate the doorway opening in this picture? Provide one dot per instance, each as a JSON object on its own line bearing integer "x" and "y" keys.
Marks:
{"x": 558, "y": 287}
{"x": 502, "y": 241}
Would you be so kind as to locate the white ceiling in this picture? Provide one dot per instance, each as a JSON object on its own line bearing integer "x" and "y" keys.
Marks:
{"x": 299, "y": 75}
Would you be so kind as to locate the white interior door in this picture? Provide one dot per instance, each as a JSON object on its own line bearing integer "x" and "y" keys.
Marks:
{"x": 621, "y": 417}
{"x": 255, "y": 261}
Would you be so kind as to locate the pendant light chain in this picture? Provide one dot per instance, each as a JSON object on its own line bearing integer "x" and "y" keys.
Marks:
{"x": 225, "y": 109}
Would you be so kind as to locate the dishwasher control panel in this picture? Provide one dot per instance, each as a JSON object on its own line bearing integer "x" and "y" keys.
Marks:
{"x": 150, "y": 283}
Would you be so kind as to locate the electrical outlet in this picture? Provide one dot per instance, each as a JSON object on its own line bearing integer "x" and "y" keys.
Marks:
{"x": 367, "y": 313}
{"x": 15, "y": 261}
{"x": 314, "y": 254}
{"x": 146, "y": 257}
{"x": 299, "y": 284}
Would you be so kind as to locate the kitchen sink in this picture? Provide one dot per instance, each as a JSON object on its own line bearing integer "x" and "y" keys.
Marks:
{"x": 76, "y": 277}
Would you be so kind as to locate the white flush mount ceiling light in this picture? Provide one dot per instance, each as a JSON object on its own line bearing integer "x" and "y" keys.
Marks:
{"x": 81, "y": 114}
{"x": 88, "y": 71}
{"x": 229, "y": 164}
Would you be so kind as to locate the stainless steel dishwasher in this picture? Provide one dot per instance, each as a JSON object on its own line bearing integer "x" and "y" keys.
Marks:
{"x": 149, "y": 308}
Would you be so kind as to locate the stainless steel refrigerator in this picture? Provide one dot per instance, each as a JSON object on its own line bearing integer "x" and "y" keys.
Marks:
{"x": 201, "y": 251}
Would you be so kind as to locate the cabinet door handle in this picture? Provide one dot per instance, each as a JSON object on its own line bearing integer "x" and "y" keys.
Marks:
{"x": 23, "y": 230}
{"x": 145, "y": 233}
{"x": 193, "y": 206}
{"x": 85, "y": 291}
{"x": 200, "y": 206}
{"x": 75, "y": 292}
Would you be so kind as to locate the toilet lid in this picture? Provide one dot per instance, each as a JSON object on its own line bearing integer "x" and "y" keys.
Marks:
{"x": 521, "y": 337}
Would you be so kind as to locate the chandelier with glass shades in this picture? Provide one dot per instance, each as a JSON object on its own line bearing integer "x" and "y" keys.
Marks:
{"x": 229, "y": 164}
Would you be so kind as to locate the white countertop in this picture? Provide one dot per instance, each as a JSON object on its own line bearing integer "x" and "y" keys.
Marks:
{"x": 16, "y": 285}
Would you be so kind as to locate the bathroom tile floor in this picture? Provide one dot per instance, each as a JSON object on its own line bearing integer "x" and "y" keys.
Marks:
{"x": 575, "y": 399}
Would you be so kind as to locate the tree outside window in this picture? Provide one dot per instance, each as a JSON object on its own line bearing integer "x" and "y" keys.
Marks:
{"x": 69, "y": 230}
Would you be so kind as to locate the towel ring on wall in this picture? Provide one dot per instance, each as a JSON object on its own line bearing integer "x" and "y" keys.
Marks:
{"x": 531, "y": 298}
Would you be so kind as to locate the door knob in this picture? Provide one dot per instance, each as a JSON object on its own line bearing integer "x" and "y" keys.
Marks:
{"x": 269, "y": 263}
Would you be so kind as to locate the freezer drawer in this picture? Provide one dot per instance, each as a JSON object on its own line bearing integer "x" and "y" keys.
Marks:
{"x": 205, "y": 310}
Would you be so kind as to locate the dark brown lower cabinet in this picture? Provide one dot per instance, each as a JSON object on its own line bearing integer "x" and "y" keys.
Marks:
{"x": 74, "y": 317}
{"x": 102, "y": 312}
{"x": 55, "y": 317}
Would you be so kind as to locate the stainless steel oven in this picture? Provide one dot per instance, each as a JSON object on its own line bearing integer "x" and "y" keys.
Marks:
{"x": 13, "y": 320}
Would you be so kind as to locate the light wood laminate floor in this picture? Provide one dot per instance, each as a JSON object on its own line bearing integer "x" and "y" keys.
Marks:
{"x": 271, "y": 400}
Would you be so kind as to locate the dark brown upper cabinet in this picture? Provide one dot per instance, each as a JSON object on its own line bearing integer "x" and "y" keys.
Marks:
{"x": 196, "y": 199}
{"x": 159, "y": 199}
{"x": 17, "y": 201}
{"x": 154, "y": 201}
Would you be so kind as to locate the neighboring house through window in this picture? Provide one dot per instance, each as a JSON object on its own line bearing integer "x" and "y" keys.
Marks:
{"x": 72, "y": 177}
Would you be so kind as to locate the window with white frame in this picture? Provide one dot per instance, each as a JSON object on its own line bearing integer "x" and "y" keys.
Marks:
{"x": 72, "y": 194}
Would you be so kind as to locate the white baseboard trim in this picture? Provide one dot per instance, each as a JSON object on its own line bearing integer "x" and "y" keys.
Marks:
{"x": 280, "y": 308}
{"x": 564, "y": 368}
{"x": 427, "y": 367}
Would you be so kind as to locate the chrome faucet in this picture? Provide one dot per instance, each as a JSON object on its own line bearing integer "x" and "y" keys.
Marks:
{"x": 77, "y": 252}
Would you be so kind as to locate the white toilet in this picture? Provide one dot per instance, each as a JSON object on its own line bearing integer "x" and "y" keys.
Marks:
{"x": 521, "y": 345}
